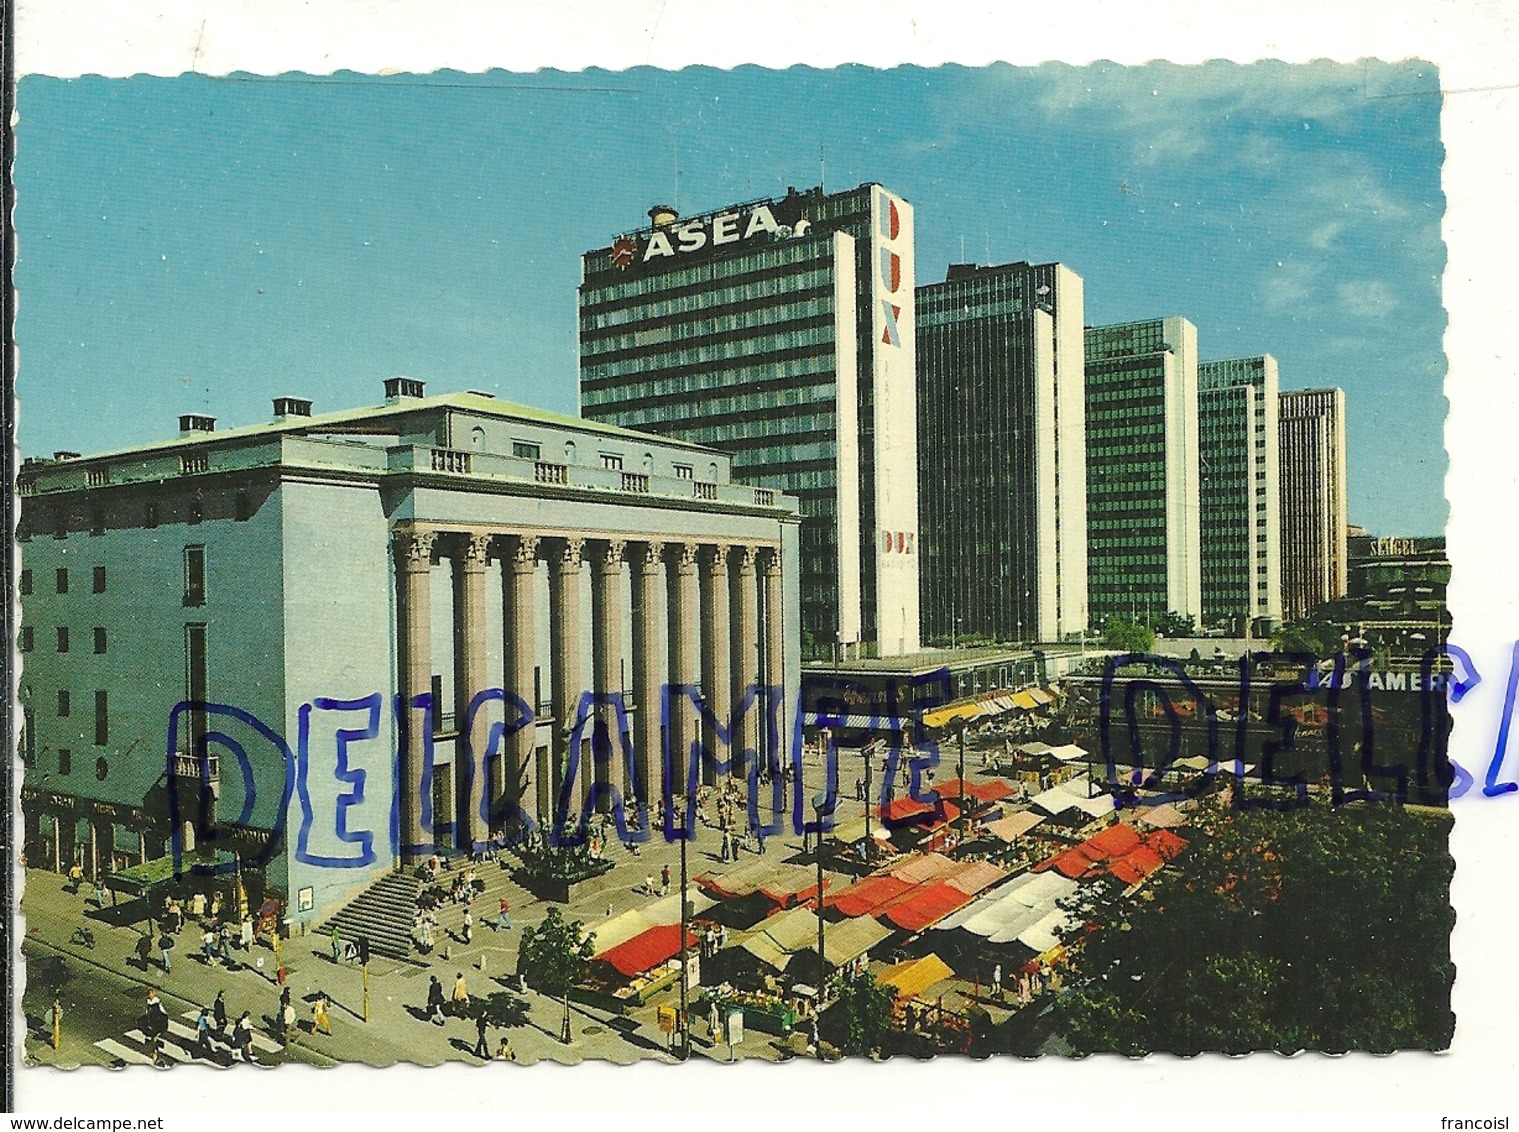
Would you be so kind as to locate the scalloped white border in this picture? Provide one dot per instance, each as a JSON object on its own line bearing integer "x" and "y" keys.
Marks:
{"x": 1475, "y": 45}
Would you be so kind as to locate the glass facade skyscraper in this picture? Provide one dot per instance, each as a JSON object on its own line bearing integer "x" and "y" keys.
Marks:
{"x": 1143, "y": 543}
{"x": 781, "y": 332}
{"x": 1240, "y": 512}
{"x": 1002, "y": 453}
{"x": 1315, "y": 568}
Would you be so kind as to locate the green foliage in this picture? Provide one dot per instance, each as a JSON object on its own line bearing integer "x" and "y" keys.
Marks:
{"x": 866, "y": 1009}
{"x": 1322, "y": 639}
{"x": 1307, "y": 929}
{"x": 565, "y": 864}
{"x": 554, "y": 954}
{"x": 1127, "y": 635}
{"x": 1173, "y": 624}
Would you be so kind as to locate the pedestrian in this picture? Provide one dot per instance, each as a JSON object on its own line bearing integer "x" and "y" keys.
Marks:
{"x": 664, "y": 880}
{"x": 76, "y": 877}
{"x": 727, "y": 846}
{"x": 461, "y": 994}
{"x": 427, "y": 936}
{"x": 287, "y": 1020}
{"x": 207, "y": 943}
{"x": 469, "y": 927}
{"x": 243, "y": 1036}
{"x": 504, "y": 916}
{"x": 245, "y": 935}
{"x": 224, "y": 945}
{"x": 482, "y": 1050}
{"x": 435, "y": 1002}
{"x": 648, "y": 883}
{"x": 997, "y": 981}
{"x": 713, "y": 1021}
{"x": 219, "y": 1013}
{"x": 216, "y": 906}
{"x": 319, "y": 1019}
{"x": 760, "y": 833}
{"x": 157, "y": 1020}
{"x": 198, "y": 905}
{"x": 337, "y": 946}
{"x": 144, "y": 949}
{"x": 504, "y": 1051}
{"x": 203, "y": 1033}
{"x": 99, "y": 893}
{"x": 165, "y": 942}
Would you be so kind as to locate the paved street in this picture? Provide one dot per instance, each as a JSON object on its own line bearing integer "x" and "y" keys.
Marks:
{"x": 104, "y": 989}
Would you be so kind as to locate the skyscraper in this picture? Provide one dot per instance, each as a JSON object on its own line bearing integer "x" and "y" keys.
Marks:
{"x": 1002, "y": 453}
{"x": 781, "y": 332}
{"x": 1240, "y": 516}
{"x": 1143, "y": 552}
{"x": 1313, "y": 492}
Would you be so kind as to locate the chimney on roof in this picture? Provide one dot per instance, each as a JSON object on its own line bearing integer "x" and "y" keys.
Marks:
{"x": 398, "y": 388}
{"x": 191, "y": 423}
{"x": 291, "y": 407}
{"x": 662, "y": 214}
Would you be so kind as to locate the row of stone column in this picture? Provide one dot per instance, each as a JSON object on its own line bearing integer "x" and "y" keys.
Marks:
{"x": 713, "y": 592}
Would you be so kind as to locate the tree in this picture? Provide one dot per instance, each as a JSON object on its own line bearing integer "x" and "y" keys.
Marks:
{"x": 553, "y": 956}
{"x": 506, "y": 1010}
{"x": 1309, "y": 928}
{"x": 1319, "y": 638}
{"x": 1127, "y": 635}
{"x": 865, "y": 1007}
{"x": 1173, "y": 624}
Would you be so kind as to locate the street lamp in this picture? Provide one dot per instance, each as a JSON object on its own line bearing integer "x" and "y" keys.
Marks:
{"x": 961, "y": 769}
{"x": 684, "y": 1021}
{"x": 821, "y": 807}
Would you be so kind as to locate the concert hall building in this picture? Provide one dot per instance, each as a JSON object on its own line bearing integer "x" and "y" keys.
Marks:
{"x": 364, "y": 606}
{"x": 781, "y": 332}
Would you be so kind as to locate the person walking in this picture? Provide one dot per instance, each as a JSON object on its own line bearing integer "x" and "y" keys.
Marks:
{"x": 504, "y": 1051}
{"x": 287, "y": 1020}
{"x": 243, "y": 1036}
{"x": 156, "y": 1022}
{"x": 664, "y": 880}
{"x": 165, "y": 943}
{"x": 504, "y": 916}
{"x": 435, "y": 1002}
{"x": 145, "y": 950}
{"x": 76, "y": 877}
{"x": 713, "y": 1021}
{"x": 208, "y": 944}
{"x": 203, "y": 1033}
{"x": 461, "y": 995}
{"x": 337, "y": 946}
{"x": 319, "y": 1019}
{"x": 100, "y": 893}
{"x": 219, "y": 1013}
{"x": 482, "y": 1049}
{"x": 469, "y": 928}
{"x": 997, "y": 981}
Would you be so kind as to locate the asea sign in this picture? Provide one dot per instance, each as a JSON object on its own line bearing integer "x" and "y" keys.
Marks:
{"x": 707, "y": 234}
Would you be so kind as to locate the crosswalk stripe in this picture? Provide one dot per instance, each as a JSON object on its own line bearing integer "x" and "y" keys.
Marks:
{"x": 168, "y": 1049}
{"x": 122, "y": 1053}
{"x": 261, "y": 1041}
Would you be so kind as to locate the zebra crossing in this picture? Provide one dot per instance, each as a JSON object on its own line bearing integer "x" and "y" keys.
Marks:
{"x": 179, "y": 1046}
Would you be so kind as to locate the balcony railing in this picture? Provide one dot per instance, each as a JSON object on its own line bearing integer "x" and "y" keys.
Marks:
{"x": 192, "y": 462}
{"x": 706, "y": 490}
{"x": 449, "y": 460}
{"x": 550, "y": 473}
{"x": 764, "y": 497}
{"x": 635, "y": 481}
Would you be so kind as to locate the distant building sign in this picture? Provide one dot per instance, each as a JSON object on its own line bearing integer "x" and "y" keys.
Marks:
{"x": 1392, "y": 547}
{"x": 703, "y": 236}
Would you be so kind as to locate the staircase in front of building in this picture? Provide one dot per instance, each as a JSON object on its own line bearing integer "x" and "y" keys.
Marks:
{"x": 383, "y": 913}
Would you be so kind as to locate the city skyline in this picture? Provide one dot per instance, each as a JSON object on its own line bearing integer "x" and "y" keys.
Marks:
{"x": 267, "y": 208}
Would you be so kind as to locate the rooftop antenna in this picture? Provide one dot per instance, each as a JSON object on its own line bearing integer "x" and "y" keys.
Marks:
{"x": 962, "y": 249}
{"x": 988, "y": 249}
{"x": 676, "y": 145}
{"x": 822, "y": 166}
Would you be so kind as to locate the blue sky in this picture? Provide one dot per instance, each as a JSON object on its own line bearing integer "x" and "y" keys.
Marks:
{"x": 199, "y": 244}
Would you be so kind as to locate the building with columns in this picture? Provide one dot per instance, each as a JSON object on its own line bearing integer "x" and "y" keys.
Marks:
{"x": 326, "y": 644}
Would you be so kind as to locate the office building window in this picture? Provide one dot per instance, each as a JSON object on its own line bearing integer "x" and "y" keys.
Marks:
{"x": 244, "y": 505}
{"x": 63, "y": 638}
{"x": 195, "y": 575}
{"x": 611, "y": 461}
{"x": 63, "y": 702}
{"x": 26, "y": 582}
{"x": 97, "y": 520}
{"x": 28, "y": 638}
{"x": 99, "y": 641}
{"x": 63, "y": 579}
{"x": 99, "y": 581}
{"x": 65, "y": 760}
{"x": 102, "y": 721}
{"x": 526, "y": 450}
{"x": 684, "y": 472}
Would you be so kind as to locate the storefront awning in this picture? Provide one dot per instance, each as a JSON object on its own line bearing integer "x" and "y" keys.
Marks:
{"x": 647, "y": 950}
{"x": 912, "y": 978}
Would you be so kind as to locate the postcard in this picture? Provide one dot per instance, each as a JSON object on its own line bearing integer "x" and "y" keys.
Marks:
{"x": 663, "y": 564}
